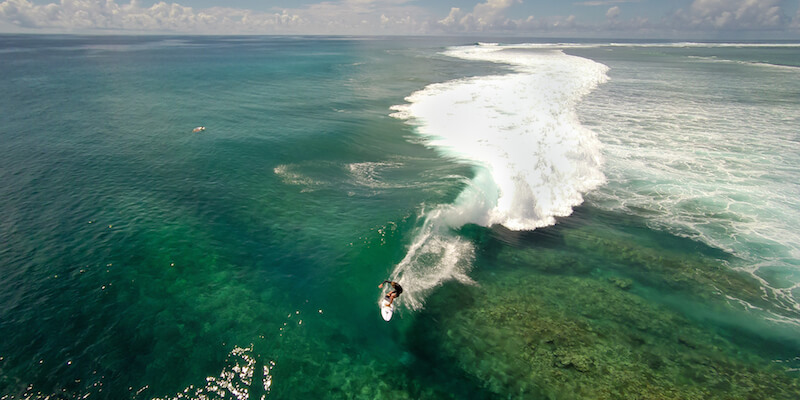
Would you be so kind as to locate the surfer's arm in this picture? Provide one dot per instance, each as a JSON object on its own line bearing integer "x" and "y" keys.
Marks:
{"x": 381, "y": 285}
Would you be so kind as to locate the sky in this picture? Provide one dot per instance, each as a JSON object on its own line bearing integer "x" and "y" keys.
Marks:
{"x": 709, "y": 19}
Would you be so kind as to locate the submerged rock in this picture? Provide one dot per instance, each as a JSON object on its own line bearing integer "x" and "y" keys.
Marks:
{"x": 621, "y": 283}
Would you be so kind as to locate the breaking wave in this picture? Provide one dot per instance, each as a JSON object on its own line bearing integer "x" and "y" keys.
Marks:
{"x": 533, "y": 161}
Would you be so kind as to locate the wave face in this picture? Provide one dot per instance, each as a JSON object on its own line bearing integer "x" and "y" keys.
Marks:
{"x": 532, "y": 158}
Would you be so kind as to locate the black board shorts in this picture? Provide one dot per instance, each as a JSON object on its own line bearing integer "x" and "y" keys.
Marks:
{"x": 396, "y": 289}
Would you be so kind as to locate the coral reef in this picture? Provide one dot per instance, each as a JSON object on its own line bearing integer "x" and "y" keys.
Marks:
{"x": 589, "y": 312}
{"x": 562, "y": 337}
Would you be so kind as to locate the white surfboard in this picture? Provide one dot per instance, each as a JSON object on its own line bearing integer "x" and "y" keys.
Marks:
{"x": 386, "y": 309}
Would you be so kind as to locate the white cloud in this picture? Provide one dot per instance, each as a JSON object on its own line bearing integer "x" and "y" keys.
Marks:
{"x": 548, "y": 24}
{"x": 604, "y": 2}
{"x": 796, "y": 20}
{"x": 25, "y": 14}
{"x": 345, "y": 17}
{"x": 490, "y": 16}
{"x": 484, "y": 17}
{"x": 85, "y": 15}
{"x": 365, "y": 17}
{"x": 733, "y": 14}
{"x": 382, "y": 17}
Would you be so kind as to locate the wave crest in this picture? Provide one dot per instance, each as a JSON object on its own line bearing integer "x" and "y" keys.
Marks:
{"x": 533, "y": 159}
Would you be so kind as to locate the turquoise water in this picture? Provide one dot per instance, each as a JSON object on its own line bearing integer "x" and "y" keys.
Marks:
{"x": 580, "y": 220}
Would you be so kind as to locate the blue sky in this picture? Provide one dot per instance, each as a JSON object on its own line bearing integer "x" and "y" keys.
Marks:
{"x": 713, "y": 19}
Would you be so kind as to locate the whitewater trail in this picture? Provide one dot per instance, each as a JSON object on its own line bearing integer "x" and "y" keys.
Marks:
{"x": 533, "y": 161}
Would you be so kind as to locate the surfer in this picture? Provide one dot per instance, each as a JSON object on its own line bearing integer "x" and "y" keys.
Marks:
{"x": 397, "y": 291}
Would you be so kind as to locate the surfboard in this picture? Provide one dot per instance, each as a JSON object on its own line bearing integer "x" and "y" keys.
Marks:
{"x": 386, "y": 309}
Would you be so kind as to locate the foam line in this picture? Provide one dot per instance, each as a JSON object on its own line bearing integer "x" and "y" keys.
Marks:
{"x": 674, "y": 45}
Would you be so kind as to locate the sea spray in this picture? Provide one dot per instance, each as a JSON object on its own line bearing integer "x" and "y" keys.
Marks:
{"x": 532, "y": 159}
{"x": 435, "y": 255}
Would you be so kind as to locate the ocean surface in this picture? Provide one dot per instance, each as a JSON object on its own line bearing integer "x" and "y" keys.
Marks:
{"x": 569, "y": 220}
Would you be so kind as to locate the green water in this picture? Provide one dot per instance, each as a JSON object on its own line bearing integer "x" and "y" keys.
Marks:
{"x": 141, "y": 260}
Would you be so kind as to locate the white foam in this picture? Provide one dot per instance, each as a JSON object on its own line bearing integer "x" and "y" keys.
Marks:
{"x": 705, "y": 156}
{"x": 290, "y": 176}
{"x": 435, "y": 256}
{"x": 675, "y": 45}
{"x": 533, "y": 160}
{"x": 368, "y": 174}
{"x": 715, "y": 59}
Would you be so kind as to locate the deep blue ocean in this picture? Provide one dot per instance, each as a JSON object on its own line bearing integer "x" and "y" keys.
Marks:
{"x": 568, "y": 219}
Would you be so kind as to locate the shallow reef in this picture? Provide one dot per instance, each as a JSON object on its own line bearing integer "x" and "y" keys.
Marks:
{"x": 565, "y": 337}
{"x": 589, "y": 312}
